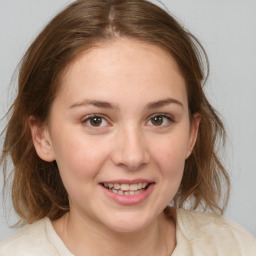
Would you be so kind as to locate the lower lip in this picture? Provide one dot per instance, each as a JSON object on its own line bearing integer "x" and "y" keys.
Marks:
{"x": 129, "y": 199}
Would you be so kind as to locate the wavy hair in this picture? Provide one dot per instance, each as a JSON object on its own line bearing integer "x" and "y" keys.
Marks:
{"x": 37, "y": 189}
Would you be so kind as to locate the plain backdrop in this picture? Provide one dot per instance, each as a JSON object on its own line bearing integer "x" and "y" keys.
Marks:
{"x": 226, "y": 29}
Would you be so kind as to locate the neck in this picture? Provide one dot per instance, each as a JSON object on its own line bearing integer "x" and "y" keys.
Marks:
{"x": 87, "y": 237}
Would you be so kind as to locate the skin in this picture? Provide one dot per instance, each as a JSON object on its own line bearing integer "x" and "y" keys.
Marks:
{"x": 128, "y": 144}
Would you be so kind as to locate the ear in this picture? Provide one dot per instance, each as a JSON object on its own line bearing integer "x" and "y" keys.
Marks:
{"x": 193, "y": 133}
{"x": 41, "y": 140}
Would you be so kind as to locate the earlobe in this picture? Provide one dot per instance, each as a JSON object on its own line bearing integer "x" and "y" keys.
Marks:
{"x": 41, "y": 140}
{"x": 193, "y": 133}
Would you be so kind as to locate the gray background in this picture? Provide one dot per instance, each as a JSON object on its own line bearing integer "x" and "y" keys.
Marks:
{"x": 227, "y": 30}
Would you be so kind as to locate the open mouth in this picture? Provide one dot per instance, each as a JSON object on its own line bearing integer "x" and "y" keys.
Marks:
{"x": 126, "y": 189}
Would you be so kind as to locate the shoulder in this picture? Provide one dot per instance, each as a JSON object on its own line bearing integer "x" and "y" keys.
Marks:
{"x": 30, "y": 240}
{"x": 214, "y": 232}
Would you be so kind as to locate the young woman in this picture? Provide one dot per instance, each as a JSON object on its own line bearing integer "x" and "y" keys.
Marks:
{"x": 111, "y": 126}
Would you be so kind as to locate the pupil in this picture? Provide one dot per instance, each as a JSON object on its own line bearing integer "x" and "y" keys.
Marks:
{"x": 96, "y": 121}
{"x": 157, "y": 120}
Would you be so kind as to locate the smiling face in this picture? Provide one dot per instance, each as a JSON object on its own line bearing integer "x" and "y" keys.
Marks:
{"x": 119, "y": 130}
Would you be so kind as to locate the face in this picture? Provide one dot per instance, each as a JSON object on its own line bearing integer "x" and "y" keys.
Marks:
{"x": 120, "y": 132}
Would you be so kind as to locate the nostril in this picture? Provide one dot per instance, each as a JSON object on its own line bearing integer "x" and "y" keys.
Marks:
{"x": 130, "y": 151}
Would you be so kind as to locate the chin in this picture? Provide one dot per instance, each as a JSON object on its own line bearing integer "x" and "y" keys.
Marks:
{"x": 128, "y": 222}
{"x": 127, "y": 227}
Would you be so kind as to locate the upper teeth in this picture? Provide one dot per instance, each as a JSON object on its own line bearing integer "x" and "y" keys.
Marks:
{"x": 126, "y": 187}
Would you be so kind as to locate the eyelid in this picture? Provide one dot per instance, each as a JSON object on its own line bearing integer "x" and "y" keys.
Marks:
{"x": 88, "y": 117}
{"x": 162, "y": 114}
{"x": 169, "y": 117}
{"x": 85, "y": 118}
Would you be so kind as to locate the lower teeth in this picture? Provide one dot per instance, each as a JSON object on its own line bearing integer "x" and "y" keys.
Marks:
{"x": 127, "y": 193}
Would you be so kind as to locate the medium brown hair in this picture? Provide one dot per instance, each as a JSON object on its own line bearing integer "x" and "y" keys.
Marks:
{"x": 37, "y": 189}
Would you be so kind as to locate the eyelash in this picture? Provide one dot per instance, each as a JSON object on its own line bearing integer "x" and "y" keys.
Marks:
{"x": 89, "y": 118}
{"x": 167, "y": 117}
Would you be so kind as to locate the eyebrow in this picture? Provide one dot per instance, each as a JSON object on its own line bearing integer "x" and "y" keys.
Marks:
{"x": 96, "y": 103}
{"x": 104, "y": 104}
{"x": 162, "y": 103}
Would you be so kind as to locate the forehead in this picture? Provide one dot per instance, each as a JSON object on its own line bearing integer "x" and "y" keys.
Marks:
{"x": 123, "y": 67}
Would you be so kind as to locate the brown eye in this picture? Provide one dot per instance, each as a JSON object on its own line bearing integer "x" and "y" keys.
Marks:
{"x": 160, "y": 120}
{"x": 157, "y": 120}
{"x": 95, "y": 121}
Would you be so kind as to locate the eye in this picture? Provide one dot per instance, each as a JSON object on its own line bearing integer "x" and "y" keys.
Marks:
{"x": 95, "y": 121}
{"x": 160, "y": 120}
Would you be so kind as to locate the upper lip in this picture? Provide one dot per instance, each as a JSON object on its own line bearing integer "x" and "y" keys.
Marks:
{"x": 125, "y": 181}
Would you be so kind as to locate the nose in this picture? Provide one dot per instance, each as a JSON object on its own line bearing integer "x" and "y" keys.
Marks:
{"x": 130, "y": 149}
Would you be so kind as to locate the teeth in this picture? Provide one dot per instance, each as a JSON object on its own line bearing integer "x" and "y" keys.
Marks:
{"x": 126, "y": 189}
{"x": 126, "y": 193}
{"x": 144, "y": 185}
{"x": 133, "y": 187}
{"x": 137, "y": 192}
{"x": 116, "y": 186}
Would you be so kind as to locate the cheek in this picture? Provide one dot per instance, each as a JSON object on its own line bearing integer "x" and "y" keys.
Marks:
{"x": 79, "y": 157}
{"x": 170, "y": 161}
{"x": 79, "y": 162}
{"x": 170, "y": 152}
{"x": 169, "y": 157}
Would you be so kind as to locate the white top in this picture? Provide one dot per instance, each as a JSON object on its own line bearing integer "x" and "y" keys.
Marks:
{"x": 199, "y": 234}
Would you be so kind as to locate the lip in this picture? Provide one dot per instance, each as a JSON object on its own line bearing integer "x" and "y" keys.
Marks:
{"x": 124, "y": 181}
{"x": 128, "y": 199}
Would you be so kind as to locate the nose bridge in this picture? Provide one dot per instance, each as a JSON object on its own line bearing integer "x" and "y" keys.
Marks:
{"x": 131, "y": 148}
